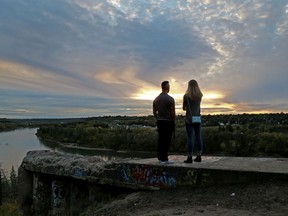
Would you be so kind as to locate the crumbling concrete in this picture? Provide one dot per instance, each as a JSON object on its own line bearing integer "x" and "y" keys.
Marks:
{"x": 54, "y": 183}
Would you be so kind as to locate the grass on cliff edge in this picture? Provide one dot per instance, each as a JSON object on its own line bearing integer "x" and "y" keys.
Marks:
{"x": 9, "y": 209}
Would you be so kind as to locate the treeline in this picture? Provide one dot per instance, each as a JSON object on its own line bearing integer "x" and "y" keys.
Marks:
{"x": 13, "y": 124}
{"x": 233, "y": 135}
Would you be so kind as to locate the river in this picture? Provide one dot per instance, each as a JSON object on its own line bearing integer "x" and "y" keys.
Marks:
{"x": 14, "y": 145}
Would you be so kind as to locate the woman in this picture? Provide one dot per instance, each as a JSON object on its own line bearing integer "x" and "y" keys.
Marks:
{"x": 191, "y": 104}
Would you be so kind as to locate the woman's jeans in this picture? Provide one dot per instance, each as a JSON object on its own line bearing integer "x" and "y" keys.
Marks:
{"x": 192, "y": 129}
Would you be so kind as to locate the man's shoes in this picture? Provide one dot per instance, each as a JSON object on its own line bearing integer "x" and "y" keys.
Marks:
{"x": 189, "y": 160}
{"x": 169, "y": 162}
{"x": 198, "y": 158}
{"x": 166, "y": 162}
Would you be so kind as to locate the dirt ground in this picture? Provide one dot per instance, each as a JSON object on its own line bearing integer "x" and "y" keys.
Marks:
{"x": 265, "y": 198}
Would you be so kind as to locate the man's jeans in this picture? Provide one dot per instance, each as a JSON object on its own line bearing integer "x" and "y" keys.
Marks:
{"x": 165, "y": 131}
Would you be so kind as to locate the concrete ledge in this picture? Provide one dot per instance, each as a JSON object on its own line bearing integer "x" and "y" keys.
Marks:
{"x": 213, "y": 170}
{"x": 149, "y": 174}
{"x": 54, "y": 183}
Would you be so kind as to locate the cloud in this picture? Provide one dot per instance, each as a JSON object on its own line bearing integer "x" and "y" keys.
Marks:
{"x": 116, "y": 53}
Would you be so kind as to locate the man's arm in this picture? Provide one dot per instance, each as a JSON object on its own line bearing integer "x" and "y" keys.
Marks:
{"x": 173, "y": 112}
{"x": 154, "y": 110}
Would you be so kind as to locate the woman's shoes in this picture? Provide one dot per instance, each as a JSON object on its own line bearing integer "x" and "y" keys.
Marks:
{"x": 198, "y": 158}
{"x": 189, "y": 160}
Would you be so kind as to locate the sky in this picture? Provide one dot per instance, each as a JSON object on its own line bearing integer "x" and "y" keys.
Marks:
{"x": 85, "y": 58}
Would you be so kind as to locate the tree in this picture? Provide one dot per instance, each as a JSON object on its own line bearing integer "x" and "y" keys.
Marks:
{"x": 13, "y": 183}
{"x": 0, "y": 187}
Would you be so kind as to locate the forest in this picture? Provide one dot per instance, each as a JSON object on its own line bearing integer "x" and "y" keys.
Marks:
{"x": 230, "y": 135}
{"x": 255, "y": 135}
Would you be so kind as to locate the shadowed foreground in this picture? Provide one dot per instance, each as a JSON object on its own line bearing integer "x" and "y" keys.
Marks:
{"x": 261, "y": 198}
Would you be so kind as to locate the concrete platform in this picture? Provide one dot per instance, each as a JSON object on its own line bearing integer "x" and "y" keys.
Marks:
{"x": 149, "y": 174}
{"x": 61, "y": 182}
{"x": 245, "y": 164}
{"x": 212, "y": 170}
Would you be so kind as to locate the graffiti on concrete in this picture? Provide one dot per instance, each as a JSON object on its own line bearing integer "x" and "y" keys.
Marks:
{"x": 59, "y": 196}
{"x": 41, "y": 195}
{"x": 206, "y": 178}
{"x": 198, "y": 177}
{"x": 147, "y": 175}
{"x": 77, "y": 172}
{"x": 192, "y": 176}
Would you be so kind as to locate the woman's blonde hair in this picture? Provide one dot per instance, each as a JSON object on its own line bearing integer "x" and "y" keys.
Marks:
{"x": 193, "y": 90}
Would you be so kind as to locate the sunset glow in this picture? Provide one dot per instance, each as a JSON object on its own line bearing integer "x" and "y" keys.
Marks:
{"x": 145, "y": 95}
{"x": 212, "y": 95}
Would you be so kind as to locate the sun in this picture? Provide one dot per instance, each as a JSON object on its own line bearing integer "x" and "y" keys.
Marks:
{"x": 212, "y": 100}
{"x": 151, "y": 94}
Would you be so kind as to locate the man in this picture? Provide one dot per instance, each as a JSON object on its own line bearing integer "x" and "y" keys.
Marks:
{"x": 164, "y": 112}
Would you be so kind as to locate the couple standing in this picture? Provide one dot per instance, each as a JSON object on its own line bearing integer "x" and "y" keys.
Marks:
{"x": 164, "y": 112}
